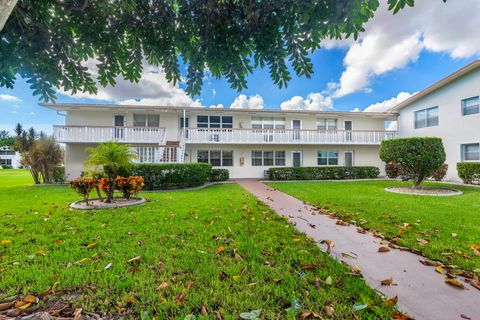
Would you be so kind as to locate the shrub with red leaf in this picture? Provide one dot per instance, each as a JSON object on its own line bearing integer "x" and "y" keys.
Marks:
{"x": 393, "y": 170}
{"x": 129, "y": 186}
{"x": 440, "y": 173}
{"x": 83, "y": 186}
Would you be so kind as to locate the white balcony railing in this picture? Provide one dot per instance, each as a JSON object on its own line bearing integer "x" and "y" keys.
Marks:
{"x": 286, "y": 136}
{"x": 160, "y": 154}
{"x": 104, "y": 134}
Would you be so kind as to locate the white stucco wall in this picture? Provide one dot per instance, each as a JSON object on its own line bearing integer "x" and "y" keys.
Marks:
{"x": 454, "y": 128}
{"x": 363, "y": 156}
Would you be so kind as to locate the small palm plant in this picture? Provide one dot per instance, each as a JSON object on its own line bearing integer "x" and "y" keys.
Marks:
{"x": 113, "y": 158}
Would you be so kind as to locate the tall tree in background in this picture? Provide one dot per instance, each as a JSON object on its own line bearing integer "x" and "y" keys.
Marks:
{"x": 5, "y": 139}
{"x": 47, "y": 42}
{"x": 40, "y": 153}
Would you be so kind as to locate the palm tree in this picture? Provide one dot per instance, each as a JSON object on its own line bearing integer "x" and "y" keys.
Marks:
{"x": 113, "y": 158}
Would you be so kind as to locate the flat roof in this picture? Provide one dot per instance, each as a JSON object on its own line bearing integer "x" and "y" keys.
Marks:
{"x": 179, "y": 109}
{"x": 439, "y": 84}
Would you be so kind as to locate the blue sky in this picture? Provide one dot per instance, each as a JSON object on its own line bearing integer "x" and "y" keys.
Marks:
{"x": 404, "y": 53}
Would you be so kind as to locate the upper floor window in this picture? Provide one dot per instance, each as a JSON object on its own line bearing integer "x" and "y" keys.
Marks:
{"x": 470, "y": 106}
{"x": 471, "y": 152}
{"x": 146, "y": 120}
{"x": 426, "y": 118}
{"x": 7, "y": 152}
{"x": 327, "y": 158}
{"x": 268, "y": 123}
{"x": 326, "y": 124}
{"x": 217, "y": 158}
{"x": 214, "y": 121}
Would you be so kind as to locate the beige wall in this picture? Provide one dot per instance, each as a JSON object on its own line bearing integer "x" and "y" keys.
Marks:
{"x": 454, "y": 128}
{"x": 75, "y": 156}
{"x": 363, "y": 156}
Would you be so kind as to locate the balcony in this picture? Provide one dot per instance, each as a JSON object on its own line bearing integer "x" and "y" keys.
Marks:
{"x": 286, "y": 136}
{"x": 95, "y": 134}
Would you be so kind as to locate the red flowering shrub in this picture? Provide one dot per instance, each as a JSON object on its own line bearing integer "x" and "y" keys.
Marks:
{"x": 83, "y": 186}
{"x": 129, "y": 186}
{"x": 106, "y": 187}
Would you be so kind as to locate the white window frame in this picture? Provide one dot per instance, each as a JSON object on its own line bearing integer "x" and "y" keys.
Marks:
{"x": 275, "y": 158}
{"x": 221, "y": 123}
{"x": 328, "y": 158}
{"x": 462, "y": 151}
{"x": 327, "y": 125}
{"x": 466, "y": 100}
{"x": 276, "y": 122}
{"x": 147, "y": 120}
{"x": 221, "y": 157}
{"x": 425, "y": 124}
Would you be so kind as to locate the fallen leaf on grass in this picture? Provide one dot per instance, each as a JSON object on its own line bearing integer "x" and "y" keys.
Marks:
{"x": 203, "y": 309}
{"x": 163, "y": 285}
{"x": 218, "y": 315}
{"x": 42, "y": 252}
{"x": 5, "y": 242}
{"x": 92, "y": 245}
{"x": 236, "y": 255}
{"x": 137, "y": 259}
{"x": 310, "y": 315}
{"x": 329, "y": 281}
{"x": 342, "y": 223}
{"x": 180, "y": 298}
{"x": 251, "y": 315}
{"x": 108, "y": 266}
{"x": 219, "y": 250}
{"x": 439, "y": 269}
{"x": 383, "y": 249}
{"x": 454, "y": 283}
{"x": 308, "y": 266}
{"x": 422, "y": 241}
{"x": 454, "y": 235}
{"x": 6, "y": 305}
{"x": 329, "y": 310}
{"x": 276, "y": 280}
{"x": 391, "y": 302}
{"x": 400, "y": 316}
{"x": 358, "y": 307}
{"x": 387, "y": 282}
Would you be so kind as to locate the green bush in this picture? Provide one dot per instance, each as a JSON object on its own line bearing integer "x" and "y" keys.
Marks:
{"x": 6, "y": 166}
{"x": 219, "y": 175}
{"x": 58, "y": 174}
{"x": 172, "y": 176}
{"x": 440, "y": 173}
{"x": 417, "y": 156}
{"x": 469, "y": 172}
{"x": 322, "y": 173}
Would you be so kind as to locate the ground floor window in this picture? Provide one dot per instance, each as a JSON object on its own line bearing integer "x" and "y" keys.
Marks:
{"x": 327, "y": 158}
{"x": 7, "y": 162}
{"x": 268, "y": 158}
{"x": 471, "y": 152}
{"x": 217, "y": 158}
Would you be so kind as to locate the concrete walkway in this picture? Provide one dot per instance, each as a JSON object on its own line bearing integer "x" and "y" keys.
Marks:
{"x": 422, "y": 292}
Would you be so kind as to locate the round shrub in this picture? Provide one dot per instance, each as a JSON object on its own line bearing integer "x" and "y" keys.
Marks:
{"x": 419, "y": 157}
{"x": 469, "y": 172}
{"x": 219, "y": 175}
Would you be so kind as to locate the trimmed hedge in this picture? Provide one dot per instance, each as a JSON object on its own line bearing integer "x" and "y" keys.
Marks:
{"x": 322, "y": 173}
{"x": 469, "y": 172}
{"x": 58, "y": 174}
{"x": 219, "y": 175}
{"x": 172, "y": 176}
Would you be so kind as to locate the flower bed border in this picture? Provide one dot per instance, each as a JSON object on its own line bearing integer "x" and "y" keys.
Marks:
{"x": 79, "y": 204}
{"x": 453, "y": 192}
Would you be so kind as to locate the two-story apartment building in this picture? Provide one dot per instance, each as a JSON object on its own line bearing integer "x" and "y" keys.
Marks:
{"x": 10, "y": 158}
{"x": 246, "y": 142}
{"x": 449, "y": 109}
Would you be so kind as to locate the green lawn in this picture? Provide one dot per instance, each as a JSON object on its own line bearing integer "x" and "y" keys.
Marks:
{"x": 186, "y": 242}
{"x": 451, "y": 225}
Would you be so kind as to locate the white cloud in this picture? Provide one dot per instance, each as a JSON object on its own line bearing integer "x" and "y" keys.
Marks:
{"x": 9, "y": 98}
{"x": 389, "y": 103}
{"x": 152, "y": 89}
{"x": 14, "y": 112}
{"x": 393, "y": 41}
{"x": 244, "y": 102}
{"x": 314, "y": 101}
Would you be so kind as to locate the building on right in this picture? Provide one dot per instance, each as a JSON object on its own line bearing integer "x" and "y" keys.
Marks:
{"x": 449, "y": 109}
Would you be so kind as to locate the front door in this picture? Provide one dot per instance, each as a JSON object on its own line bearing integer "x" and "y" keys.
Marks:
{"x": 118, "y": 130}
{"x": 296, "y": 126}
{"x": 347, "y": 126}
{"x": 297, "y": 158}
{"x": 348, "y": 159}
